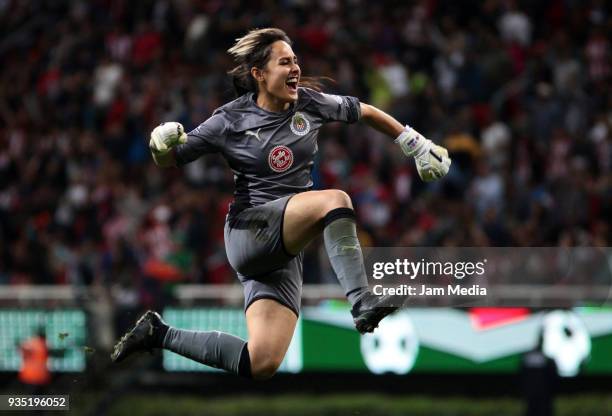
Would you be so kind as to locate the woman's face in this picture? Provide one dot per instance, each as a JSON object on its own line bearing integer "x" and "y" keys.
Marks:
{"x": 281, "y": 75}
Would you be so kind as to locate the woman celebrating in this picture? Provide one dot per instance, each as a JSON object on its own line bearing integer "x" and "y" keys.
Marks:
{"x": 269, "y": 138}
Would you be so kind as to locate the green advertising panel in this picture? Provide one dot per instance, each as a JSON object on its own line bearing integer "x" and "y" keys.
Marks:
{"x": 426, "y": 340}
{"x": 65, "y": 332}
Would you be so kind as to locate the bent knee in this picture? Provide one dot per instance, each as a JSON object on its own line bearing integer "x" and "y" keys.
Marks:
{"x": 335, "y": 198}
{"x": 264, "y": 368}
{"x": 265, "y": 360}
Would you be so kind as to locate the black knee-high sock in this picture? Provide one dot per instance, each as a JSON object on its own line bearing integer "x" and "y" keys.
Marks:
{"x": 344, "y": 251}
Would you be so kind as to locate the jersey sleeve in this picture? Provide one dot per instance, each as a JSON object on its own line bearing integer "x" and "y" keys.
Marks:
{"x": 334, "y": 107}
{"x": 208, "y": 137}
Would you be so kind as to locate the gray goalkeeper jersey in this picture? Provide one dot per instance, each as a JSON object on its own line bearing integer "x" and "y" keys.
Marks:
{"x": 271, "y": 154}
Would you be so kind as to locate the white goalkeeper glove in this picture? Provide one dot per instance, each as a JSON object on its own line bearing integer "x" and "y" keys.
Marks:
{"x": 165, "y": 136}
{"x": 431, "y": 160}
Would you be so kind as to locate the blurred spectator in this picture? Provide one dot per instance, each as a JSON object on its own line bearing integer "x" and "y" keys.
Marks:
{"x": 34, "y": 371}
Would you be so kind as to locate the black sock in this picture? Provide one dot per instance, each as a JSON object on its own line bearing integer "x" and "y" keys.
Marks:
{"x": 244, "y": 366}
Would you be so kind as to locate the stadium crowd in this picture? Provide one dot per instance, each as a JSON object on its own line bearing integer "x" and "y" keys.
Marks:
{"x": 519, "y": 92}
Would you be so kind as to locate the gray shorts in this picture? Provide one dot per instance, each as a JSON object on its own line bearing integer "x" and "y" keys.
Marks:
{"x": 255, "y": 249}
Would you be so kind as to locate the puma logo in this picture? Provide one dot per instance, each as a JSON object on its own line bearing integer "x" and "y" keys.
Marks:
{"x": 252, "y": 133}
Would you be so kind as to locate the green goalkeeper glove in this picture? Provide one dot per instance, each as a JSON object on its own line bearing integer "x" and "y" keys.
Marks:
{"x": 165, "y": 136}
{"x": 431, "y": 160}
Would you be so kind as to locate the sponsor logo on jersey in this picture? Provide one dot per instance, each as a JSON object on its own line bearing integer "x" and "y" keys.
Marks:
{"x": 254, "y": 134}
{"x": 299, "y": 124}
{"x": 280, "y": 158}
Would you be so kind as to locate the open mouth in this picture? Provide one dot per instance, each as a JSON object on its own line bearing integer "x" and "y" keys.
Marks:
{"x": 292, "y": 83}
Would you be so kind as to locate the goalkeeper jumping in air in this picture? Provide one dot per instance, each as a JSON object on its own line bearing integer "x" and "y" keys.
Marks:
{"x": 269, "y": 138}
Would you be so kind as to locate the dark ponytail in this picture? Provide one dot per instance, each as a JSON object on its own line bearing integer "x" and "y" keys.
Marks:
{"x": 242, "y": 81}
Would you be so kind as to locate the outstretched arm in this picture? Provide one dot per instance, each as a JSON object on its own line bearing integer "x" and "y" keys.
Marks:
{"x": 432, "y": 161}
{"x": 171, "y": 146}
{"x": 381, "y": 121}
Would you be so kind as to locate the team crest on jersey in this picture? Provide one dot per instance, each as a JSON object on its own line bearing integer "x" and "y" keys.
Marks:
{"x": 299, "y": 124}
{"x": 280, "y": 158}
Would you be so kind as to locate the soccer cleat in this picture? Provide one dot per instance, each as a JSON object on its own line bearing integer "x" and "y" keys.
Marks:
{"x": 147, "y": 334}
{"x": 369, "y": 311}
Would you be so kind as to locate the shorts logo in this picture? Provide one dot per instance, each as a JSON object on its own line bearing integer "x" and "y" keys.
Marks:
{"x": 280, "y": 158}
{"x": 299, "y": 124}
